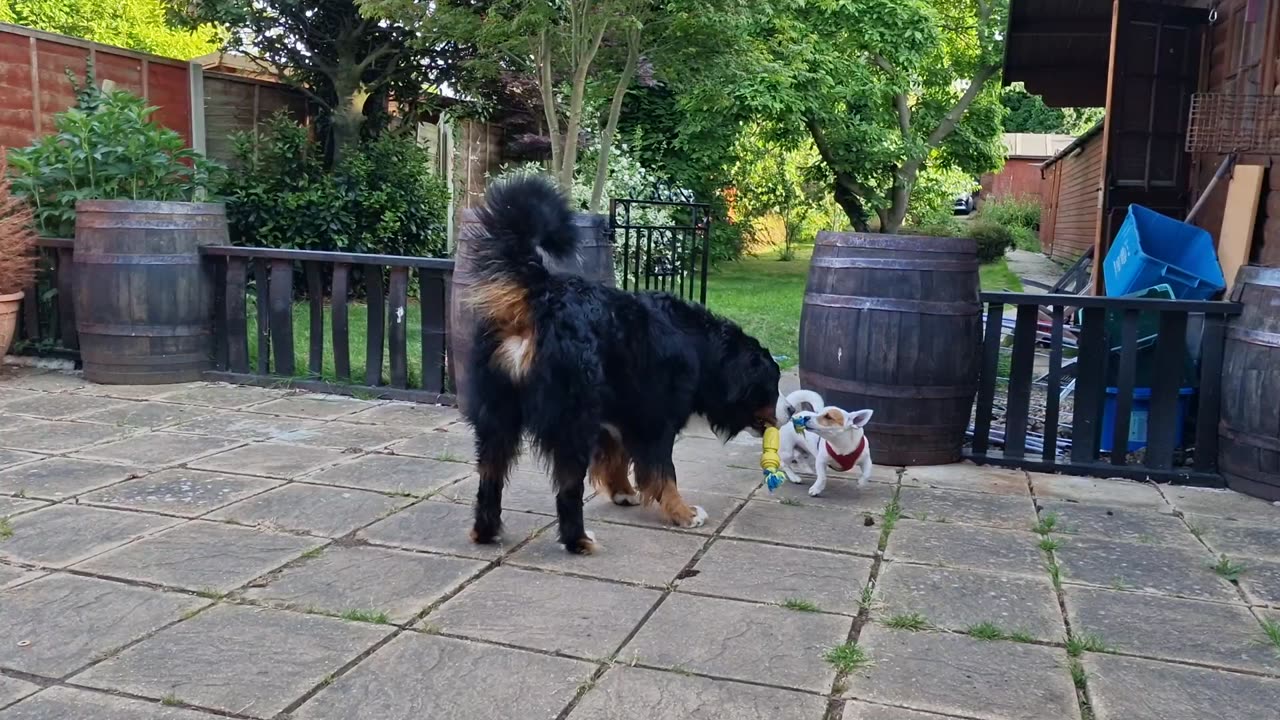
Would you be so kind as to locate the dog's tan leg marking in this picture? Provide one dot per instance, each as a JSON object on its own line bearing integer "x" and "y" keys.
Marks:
{"x": 506, "y": 306}
{"x": 609, "y": 471}
{"x": 661, "y": 489}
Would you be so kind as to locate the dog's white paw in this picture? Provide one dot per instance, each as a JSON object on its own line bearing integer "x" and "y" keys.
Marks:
{"x": 626, "y": 499}
{"x": 590, "y": 535}
{"x": 699, "y": 517}
{"x": 816, "y": 490}
{"x": 864, "y": 480}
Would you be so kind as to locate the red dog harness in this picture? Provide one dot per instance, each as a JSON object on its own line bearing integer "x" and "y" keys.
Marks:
{"x": 845, "y": 462}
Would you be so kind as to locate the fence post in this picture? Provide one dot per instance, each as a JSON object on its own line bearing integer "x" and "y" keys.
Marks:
{"x": 198, "y": 140}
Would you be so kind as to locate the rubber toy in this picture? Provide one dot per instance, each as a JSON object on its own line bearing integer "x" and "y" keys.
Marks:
{"x": 769, "y": 460}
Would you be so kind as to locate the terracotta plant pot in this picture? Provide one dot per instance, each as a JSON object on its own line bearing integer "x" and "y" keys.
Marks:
{"x": 8, "y": 319}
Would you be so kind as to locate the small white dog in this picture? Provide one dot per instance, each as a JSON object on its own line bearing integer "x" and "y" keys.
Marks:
{"x": 832, "y": 439}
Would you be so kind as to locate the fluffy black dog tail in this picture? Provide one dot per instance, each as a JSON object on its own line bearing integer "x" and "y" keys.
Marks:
{"x": 521, "y": 215}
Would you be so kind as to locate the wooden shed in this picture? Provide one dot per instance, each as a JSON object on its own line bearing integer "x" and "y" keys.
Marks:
{"x": 1070, "y": 185}
{"x": 1143, "y": 61}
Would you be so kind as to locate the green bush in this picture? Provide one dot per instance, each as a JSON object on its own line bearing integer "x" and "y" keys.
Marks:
{"x": 945, "y": 227}
{"x": 1012, "y": 212}
{"x": 993, "y": 239}
{"x": 383, "y": 198}
{"x": 105, "y": 148}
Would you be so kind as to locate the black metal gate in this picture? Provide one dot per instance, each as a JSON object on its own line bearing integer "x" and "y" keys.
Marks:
{"x": 662, "y": 244}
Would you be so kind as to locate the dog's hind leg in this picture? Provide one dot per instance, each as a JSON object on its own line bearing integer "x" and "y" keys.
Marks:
{"x": 497, "y": 423}
{"x": 569, "y": 474}
{"x": 609, "y": 471}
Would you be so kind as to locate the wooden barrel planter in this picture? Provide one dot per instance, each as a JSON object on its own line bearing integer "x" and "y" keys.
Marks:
{"x": 594, "y": 261}
{"x": 1249, "y": 431}
{"x": 143, "y": 301}
{"x": 893, "y": 323}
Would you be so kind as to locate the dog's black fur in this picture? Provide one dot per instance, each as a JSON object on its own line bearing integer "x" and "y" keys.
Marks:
{"x": 638, "y": 363}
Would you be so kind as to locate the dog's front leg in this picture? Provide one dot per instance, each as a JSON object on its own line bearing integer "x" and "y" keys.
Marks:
{"x": 658, "y": 485}
{"x": 864, "y": 464}
{"x": 820, "y": 484}
{"x": 790, "y": 460}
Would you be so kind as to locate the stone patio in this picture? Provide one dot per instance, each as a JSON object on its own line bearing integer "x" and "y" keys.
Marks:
{"x": 204, "y": 551}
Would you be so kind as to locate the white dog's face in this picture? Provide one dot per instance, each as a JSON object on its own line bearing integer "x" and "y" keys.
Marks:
{"x": 833, "y": 422}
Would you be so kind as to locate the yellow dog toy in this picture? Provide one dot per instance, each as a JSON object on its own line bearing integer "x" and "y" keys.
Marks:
{"x": 770, "y": 461}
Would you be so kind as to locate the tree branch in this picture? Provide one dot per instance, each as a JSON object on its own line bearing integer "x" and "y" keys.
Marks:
{"x": 952, "y": 118}
{"x": 901, "y": 103}
{"x": 828, "y": 157}
{"x": 615, "y": 113}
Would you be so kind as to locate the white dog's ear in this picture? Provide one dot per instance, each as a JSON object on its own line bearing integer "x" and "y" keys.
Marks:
{"x": 857, "y": 419}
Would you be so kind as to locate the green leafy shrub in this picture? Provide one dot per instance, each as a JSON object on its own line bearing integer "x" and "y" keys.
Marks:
{"x": 1012, "y": 212}
{"x": 383, "y": 198}
{"x": 993, "y": 239}
{"x": 105, "y": 148}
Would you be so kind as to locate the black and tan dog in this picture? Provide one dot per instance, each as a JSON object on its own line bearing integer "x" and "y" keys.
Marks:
{"x": 600, "y": 379}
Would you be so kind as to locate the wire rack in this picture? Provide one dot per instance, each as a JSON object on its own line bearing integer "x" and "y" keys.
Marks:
{"x": 1222, "y": 123}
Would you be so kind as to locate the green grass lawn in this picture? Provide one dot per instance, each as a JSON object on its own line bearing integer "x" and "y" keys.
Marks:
{"x": 764, "y": 295}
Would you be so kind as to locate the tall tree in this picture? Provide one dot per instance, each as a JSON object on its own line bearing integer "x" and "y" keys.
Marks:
{"x": 1027, "y": 113}
{"x": 142, "y": 25}
{"x": 335, "y": 54}
{"x": 883, "y": 90}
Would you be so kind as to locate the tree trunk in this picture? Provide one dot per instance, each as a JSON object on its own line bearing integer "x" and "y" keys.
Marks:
{"x": 852, "y": 206}
{"x": 577, "y": 98}
{"x": 348, "y": 116}
{"x": 611, "y": 123}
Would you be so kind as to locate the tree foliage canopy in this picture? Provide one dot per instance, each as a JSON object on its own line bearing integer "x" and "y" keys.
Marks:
{"x": 141, "y": 25}
{"x": 1027, "y": 113}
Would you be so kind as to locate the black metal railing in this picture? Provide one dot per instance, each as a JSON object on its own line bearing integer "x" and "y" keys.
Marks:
{"x": 255, "y": 287}
{"x": 47, "y": 319}
{"x": 1081, "y": 359}
{"x": 662, "y": 245}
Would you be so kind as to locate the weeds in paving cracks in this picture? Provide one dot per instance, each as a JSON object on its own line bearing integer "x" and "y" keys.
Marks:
{"x": 1272, "y": 630}
{"x": 367, "y": 616}
{"x": 1228, "y": 569}
{"x": 6, "y": 530}
{"x": 800, "y": 605}
{"x": 847, "y": 657}
{"x": 914, "y": 622}
{"x": 1046, "y": 524}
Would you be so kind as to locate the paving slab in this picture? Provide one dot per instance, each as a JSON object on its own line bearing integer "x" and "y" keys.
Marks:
{"x": 967, "y": 476}
{"x": 1113, "y": 492}
{"x": 774, "y": 574}
{"x": 237, "y": 659}
{"x": 59, "y": 623}
{"x": 60, "y": 406}
{"x": 740, "y": 641}
{"x": 713, "y": 452}
{"x": 148, "y": 415}
{"x": 959, "y": 599}
{"x": 718, "y": 508}
{"x": 394, "y": 474}
{"x": 807, "y": 526}
{"x": 245, "y": 426}
{"x": 315, "y": 406}
{"x": 629, "y": 554}
{"x": 13, "y": 394}
{"x": 135, "y": 392}
{"x": 425, "y": 417}
{"x": 627, "y": 693}
{"x": 221, "y": 395}
{"x": 960, "y": 675}
{"x": 202, "y": 556}
{"x": 1147, "y": 568}
{"x": 1168, "y": 628}
{"x": 11, "y": 506}
{"x": 1237, "y": 538}
{"x": 458, "y": 447}
{"x": 59, "y": 478}
{"x": 179, "y": 491}
{"x": 854, "y": 710}
{"x": 990, "y": 510}
{"x": 544, "y": 611}
{"x": 158, "y": 449}
{"x": 839, "y": 494}
{"x": 46, "y": 381}
{"x": 275, "y": 460}
{"x": 1261, "y": 582}
{"x": 64, "y": 703}
{"x": 705, "y": 477}
{"x": 61, "y": 535}
{"x": 444, "y": 528}
{"x": 9, "y": 458}
{"x": 352, "y": 436}
{"x": 1174, "y": 692}
{"x": 13, "y": 690}
{"x": 1148, "y": 527}
{"x": 1222, "y": 503}
{"x": 373, "y": 579}
{"x": 966, "y": 546}
{"x": 316, "y": 509}
{"x": 415, "y": 677}
{"x": 11, "y": 576}
{"x": 59, "y": 436}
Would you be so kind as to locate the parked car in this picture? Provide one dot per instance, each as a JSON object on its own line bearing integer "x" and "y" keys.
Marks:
{"x": 964, "y": 204}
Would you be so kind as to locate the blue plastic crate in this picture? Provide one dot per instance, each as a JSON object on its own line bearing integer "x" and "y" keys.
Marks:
{"x": 1152, "y": 249}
